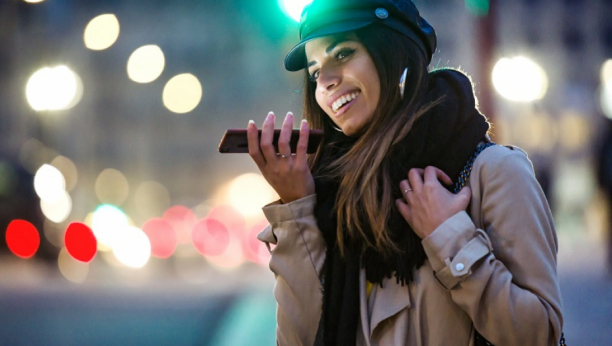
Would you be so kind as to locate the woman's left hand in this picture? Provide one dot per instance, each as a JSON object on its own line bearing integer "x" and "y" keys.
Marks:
{"x": 426, "y": 203}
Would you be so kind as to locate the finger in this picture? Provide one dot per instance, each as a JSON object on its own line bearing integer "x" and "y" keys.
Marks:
{"x": 253, "y": 141}
{"x": 285, "y": 136}
{"x": 415, "y": 178}
{"x": 404, "y": 209}
{"x": 302, "y": 145}
{"x": 405, "y": 188}
{"x": 465, "y": 195}
{"x": 267, "y": 135}
{"x": 432, "y": 173}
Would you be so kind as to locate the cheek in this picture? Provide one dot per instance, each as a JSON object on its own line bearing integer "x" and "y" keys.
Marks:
{"x": 320, "y": 100}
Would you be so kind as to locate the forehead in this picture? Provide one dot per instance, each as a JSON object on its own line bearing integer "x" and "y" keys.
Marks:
{"x": 323, "y": 45}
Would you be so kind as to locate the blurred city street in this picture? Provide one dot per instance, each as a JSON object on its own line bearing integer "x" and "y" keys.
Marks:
{"x": 121, "y": 222}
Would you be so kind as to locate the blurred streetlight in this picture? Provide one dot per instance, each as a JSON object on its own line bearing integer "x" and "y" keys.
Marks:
{"x": 520, "y": 79}
{"x": 605, "y": 94}
{"x": 293, "y": 8}
{"x": 101, "y": 32}
{"x": 182, "y": 93}
{"x": 54, "y": 88}
{"x": 146, "y": 64}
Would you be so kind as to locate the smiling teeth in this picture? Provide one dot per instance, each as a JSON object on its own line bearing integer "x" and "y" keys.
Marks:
{"x": 343, "y": 100}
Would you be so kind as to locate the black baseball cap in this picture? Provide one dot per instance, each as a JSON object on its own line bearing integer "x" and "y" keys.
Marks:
{"x": 327, "y": 17}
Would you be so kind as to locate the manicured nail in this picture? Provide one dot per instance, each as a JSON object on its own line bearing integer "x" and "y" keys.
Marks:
{"x": 251, "y": 122}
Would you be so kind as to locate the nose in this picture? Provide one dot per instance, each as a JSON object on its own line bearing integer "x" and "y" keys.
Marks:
{"x": 329, "y": 78}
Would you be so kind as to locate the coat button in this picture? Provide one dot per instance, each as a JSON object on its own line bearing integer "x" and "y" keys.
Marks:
{"x": 459, "y": 266}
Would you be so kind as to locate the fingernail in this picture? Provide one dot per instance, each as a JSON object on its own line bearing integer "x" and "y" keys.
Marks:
{"x": 289, "y": 114}
{"x": 251, "y": 122}
{"x": 270, "y": 115}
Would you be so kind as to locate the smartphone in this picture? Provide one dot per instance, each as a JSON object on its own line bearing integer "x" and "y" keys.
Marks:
{"x": 235, "y": 140}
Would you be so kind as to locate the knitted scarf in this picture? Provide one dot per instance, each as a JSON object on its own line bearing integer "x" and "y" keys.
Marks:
{"x": 445, "y": 137}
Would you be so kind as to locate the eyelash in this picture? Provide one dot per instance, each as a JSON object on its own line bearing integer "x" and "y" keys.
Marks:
{"x": 341, "y": 54}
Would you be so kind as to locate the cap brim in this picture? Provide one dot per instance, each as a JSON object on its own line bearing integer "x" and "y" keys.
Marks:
{"x": 296, "y": 58}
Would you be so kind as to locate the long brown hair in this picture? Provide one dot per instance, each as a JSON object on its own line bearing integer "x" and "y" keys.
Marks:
{"x": 365, "y": 192}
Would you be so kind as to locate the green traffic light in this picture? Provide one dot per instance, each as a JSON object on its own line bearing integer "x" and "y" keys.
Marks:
{"x": 477, "y": 7}
{"x": 293, "y": 8}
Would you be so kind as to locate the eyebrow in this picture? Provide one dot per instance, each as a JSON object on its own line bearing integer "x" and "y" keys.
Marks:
{"x": 330, "y": 48}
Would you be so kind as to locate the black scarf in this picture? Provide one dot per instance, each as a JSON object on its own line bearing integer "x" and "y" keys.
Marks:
{"x": 445, "y": 137}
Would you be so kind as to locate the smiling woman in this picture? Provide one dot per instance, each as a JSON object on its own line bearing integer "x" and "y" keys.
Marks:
{"x": 335, "y": 60}
{"x": 403, "y": 228}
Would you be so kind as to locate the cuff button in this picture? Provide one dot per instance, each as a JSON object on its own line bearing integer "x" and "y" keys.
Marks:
{"x": 459, "y": 266}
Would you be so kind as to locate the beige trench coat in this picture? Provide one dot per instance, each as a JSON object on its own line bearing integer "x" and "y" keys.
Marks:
{"x": 494, "y": 271}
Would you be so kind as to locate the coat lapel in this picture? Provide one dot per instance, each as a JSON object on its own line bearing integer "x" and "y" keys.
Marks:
{"x": 385, "y": 302}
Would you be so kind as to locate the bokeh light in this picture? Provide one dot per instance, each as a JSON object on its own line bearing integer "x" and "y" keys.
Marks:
{"x": 210, "y": 237}
{"x": 606, "y": 72}
{"x": 73, "y": 270}
{"x": 519, "y": 79}
{"x": 146, "y": 64}
{"x": 22, "y": 238}
{"x": 249, "y": 192}
{"x": 182, "y": 93}
{"x": 54, "y": 233}
{"x": 54, "y": 88}
{"x": 151, "y": 199}
{"x": 132, "y": 247}
{"x": 107, "y": 223}
{"x": 33, "y": 1}
{"x": 231, "y": 258}
{"x": 49, "y": 183}
{"x": 182, "y": 220}
{"x": 101, "y": 32}
{"x": 80, "y": 242}
{"x": 58, "y": 210}
{"x": 255, "y": 250}
{"x": 230, "y": 217}
{"x": 112, "y": 187}
{"x": 575, "y": 131}
{"x": 68, "y": 170}
{"x": 293, "y": 8}
{"x": 162, "y": 237}
{"x": 605, "y": 98}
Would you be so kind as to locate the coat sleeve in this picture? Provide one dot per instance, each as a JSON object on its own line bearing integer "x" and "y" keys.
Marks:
{"x": 505, "y": 275}
{"x": 298, "y": 253}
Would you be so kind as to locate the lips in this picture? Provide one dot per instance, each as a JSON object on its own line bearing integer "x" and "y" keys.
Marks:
{"x": 336, "y": 103}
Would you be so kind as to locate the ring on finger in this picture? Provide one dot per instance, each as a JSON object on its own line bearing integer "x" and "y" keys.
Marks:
{"x": 406, "y": 191}
{"x": 284, "y": 156}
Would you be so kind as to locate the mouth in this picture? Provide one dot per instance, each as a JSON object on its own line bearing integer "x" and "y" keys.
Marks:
{"x": 343, "y": 102}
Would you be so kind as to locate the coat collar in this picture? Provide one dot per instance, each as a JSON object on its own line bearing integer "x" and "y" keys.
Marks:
{"x": 384, "y": 302}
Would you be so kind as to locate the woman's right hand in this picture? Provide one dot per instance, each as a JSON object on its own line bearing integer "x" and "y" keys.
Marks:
{"x": 287, "y": 173}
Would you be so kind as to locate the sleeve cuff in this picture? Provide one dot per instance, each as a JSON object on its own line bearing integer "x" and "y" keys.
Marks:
{"x": 277, "y": 212}
{"x": 454, "y": 247}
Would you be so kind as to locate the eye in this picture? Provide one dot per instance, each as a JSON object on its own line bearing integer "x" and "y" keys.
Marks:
{"x": 313, "y": 76}
{"x": 344, "y": 53}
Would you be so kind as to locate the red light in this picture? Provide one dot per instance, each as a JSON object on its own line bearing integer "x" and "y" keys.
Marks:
{"x": 182, "y": 219}
{"x": 162, "y": 237}
{"x": 210, "y": 237}
{"x": 80, "y": 242}
{"x": 230, "y": 217}
{"x": 22, "y": 238}
{"x": 255, "y": 250}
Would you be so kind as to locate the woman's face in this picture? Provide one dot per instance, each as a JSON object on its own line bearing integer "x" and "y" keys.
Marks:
{"x": 347, "y": 83}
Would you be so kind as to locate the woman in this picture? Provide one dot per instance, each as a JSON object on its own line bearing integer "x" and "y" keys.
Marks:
{"x": 371, "y": 247}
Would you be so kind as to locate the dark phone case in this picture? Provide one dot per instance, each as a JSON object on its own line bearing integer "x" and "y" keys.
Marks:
{"x": 235, "y": 141}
